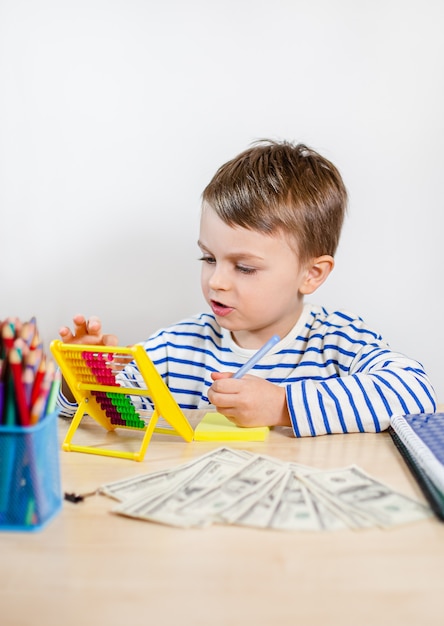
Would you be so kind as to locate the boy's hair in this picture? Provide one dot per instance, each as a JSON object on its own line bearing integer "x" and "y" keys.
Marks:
{"x": 280, "y": 186}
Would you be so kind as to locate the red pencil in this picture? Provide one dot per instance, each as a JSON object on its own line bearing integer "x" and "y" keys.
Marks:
{"x": 40, "y": 374}
{"x": 38, "y": 408}
{"x": 8, "y": 334}
{"x": 36, "y": 342}
{"x": 15, "y": 362}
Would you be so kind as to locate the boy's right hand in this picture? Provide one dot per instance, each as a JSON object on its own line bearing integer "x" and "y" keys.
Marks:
{"x": 87, "y": 331}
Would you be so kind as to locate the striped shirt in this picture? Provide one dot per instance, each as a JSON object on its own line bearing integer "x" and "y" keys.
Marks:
{"x": 339, "y": 375}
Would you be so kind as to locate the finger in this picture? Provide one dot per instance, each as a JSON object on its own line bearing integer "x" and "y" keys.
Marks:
{"x": 220, "y": 375}
{"x": 93, "y": 326}
{"x": 79, "y": 320}
{"x": 80, "y": 327}
{"x": 110, "y": 340}
{"x": 66, "y": 334}
{"x": 227, "y": 385}
{"x": 221, "y": 400}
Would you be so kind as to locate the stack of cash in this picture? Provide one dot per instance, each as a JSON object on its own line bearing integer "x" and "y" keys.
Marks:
{"x": 229, "y": 486}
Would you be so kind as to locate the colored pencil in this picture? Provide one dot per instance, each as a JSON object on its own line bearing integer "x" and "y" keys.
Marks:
{"x": 38, "y": 380}
{"x": 15, "y": 361}
{"x": 257, "y": 356}
{"x": 27, "y": 332}
{"x": 39, "y": 408}
{"x": 53, "y": 393}
{"x": 8, "y": 335}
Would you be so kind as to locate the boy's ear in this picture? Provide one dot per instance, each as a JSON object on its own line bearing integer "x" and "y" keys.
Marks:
{"x": 317, "y": 272}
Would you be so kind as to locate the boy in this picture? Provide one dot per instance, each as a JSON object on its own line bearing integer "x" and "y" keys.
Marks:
{"x": 270, "y": 224}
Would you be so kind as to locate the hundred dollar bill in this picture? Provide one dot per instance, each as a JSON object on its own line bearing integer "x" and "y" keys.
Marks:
{"x": 161, "y": 507}
{"x": 332, "y": 512}
{"x": 288, "y": 505}
{"x": 248, "y": 501}
{"x": 351, "y": 518}
{"x": 160, "y": 481}
{"x": 294, "y": 510}
{"x": 249, "y": 479}
{"x": 259, "y": 513}
{"x": 358, "y": 493}
{"x": 328, "y": 517}
{"x": 187, "y": 507}
{"x": 256, "y": 507}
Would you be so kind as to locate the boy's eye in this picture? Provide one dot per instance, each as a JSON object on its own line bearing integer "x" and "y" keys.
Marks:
{"x": 244, "y": 269}
{"x": 208, "y": 259}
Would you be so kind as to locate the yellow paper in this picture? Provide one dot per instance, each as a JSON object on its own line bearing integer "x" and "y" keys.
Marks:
{"x": 216, "y": 427}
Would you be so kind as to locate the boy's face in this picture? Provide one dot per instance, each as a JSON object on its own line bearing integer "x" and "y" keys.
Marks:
{"x": 250, "y": 280}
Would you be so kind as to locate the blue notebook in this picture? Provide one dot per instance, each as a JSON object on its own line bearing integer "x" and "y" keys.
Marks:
{"x": 420, "y": 440}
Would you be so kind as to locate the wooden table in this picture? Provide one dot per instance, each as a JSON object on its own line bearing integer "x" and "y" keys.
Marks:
{"x": 89, "y": 566}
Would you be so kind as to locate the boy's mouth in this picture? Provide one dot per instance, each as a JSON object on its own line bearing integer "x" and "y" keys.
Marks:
{"x": 220, "y": 309}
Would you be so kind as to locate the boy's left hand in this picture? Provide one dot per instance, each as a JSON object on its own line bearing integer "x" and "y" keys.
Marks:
{"x": 249, "y": 401}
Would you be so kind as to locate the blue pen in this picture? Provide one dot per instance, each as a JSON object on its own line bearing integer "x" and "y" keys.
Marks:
{"x": 257, "y": 356}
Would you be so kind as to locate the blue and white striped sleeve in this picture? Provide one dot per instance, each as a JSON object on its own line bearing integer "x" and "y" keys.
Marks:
{"x": 66, "y": 409}
{"x": 379, "y": 384}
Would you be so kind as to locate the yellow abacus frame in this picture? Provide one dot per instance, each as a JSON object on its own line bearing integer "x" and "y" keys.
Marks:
{"x": 81, "y": 386}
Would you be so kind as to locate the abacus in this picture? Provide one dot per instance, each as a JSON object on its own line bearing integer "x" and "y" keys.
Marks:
{"x": 91, "y": 373}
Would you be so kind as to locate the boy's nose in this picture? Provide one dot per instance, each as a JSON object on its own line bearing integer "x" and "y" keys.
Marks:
{"x": 218, "y": 279}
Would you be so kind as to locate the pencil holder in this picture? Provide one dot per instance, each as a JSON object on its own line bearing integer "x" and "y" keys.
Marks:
{"x": 30, "y": 488}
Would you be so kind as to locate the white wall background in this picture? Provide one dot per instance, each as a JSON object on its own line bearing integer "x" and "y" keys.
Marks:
{"x": 114, "y": 114}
